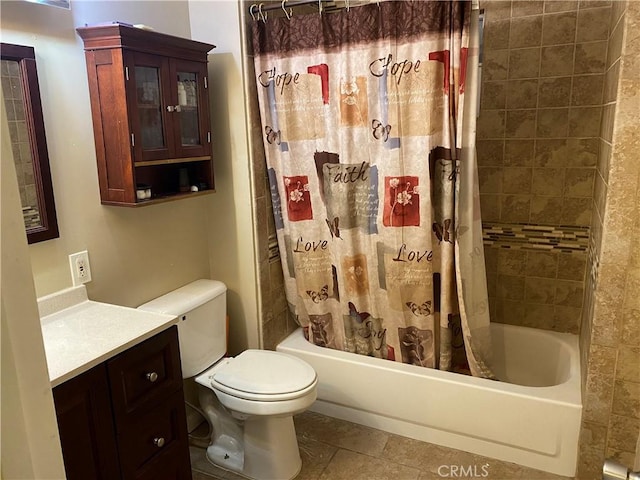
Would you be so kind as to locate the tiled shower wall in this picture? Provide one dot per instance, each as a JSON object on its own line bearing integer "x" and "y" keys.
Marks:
{"x": 538, "y": 145}
{"x": 276, "y": 319}
{"x": 610, "y": 334}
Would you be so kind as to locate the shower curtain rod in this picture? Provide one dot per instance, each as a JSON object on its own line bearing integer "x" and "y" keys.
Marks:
{"x": 287, "y": 4}
{"x": 327, "y": 5}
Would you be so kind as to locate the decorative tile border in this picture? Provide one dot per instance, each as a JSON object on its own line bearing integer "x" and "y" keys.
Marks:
{"x": 31, "y": 217}
{"x": 274, "y": 252}
{"x": 564, "y": 239}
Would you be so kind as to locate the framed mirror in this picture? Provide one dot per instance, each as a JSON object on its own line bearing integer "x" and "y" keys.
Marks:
{"x": 21, "y": 95}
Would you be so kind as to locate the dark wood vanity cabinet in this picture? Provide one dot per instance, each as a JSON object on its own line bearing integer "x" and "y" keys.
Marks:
{"x": 85, "y": 424}
{"x": 125, "y": 418}
{"x": 150, "y": 108}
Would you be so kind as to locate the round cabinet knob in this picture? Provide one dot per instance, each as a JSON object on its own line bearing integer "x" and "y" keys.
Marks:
{"x": 158, "y": 442}
{"x": 151, "y": 376}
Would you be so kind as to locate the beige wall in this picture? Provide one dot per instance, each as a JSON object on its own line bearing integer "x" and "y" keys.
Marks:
{"x": 28, "y": 433}
{"x": 136, "y": 254}
{"x": 232, "y": 253}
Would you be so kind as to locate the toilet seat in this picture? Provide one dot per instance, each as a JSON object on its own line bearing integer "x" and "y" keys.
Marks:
{"x": 262, "y": 376}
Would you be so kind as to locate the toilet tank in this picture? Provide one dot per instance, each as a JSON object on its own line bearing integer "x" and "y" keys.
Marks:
{"x": 201, "y": 308}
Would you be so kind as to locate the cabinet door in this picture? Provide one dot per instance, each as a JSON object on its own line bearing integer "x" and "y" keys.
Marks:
{"x": 150, "y": 106}
{"x": 85, "y": 423}
{"x": 191, "y": 115}
{"x": 154, "y": 442}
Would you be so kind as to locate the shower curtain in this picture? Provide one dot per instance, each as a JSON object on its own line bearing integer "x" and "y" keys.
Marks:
{"x": 369, "y": 164}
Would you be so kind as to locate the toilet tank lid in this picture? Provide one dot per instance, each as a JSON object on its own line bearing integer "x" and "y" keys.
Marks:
{"x": 186, "y": 298}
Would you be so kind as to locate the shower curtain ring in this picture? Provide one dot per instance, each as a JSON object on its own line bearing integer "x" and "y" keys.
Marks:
{"x": 289, "y": 14}
{"x": 255, "y": 5}
{"x": 263, "y": 15}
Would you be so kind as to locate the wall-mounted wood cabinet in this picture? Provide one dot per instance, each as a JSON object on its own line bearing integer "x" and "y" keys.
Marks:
{"x": 150, "y": 107}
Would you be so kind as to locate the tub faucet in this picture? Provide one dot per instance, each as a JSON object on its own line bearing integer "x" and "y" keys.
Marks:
{"x": 612, "y": 470}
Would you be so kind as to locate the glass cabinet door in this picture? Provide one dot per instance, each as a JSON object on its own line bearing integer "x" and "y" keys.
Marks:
{"x": 148, "y": 85}
{"x": 188, "y": 101}
{"x": 170, "y": 119}
{"x": 149, "y": 107}
{"x": 191, "y": 118}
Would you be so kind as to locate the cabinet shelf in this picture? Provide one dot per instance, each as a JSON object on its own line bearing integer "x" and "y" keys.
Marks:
{"x": 171, "y": 161}
{"x": 167, "y": 197}
{"x": 157, "y": 106}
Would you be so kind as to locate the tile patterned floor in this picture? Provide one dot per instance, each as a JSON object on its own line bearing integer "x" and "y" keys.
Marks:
{"x": 333, "y": 449}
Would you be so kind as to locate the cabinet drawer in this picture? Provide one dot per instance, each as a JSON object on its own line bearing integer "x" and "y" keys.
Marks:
{"x": 153, "y": 437}
{"x": 144, "y": 375}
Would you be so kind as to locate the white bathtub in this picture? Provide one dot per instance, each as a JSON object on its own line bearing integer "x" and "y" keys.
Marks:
{"x": 531, "y": 417}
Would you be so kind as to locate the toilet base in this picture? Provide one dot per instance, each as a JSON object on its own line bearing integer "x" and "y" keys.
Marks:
{"x": 226, "y": 453}
{"x": 258, "y": 447}
{"x": 270, "y": 450}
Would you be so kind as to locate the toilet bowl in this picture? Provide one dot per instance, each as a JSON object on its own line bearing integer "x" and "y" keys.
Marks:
{"x": 262, "y": 392}
{"x": 260, "y": 382}
{"x": 249, "y": 400}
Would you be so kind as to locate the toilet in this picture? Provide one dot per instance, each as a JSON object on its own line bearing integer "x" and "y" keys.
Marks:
{"x": 249, "y": 400}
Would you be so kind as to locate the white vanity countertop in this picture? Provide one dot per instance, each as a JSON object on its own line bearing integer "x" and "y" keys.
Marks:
{"x": 79, "y": 333}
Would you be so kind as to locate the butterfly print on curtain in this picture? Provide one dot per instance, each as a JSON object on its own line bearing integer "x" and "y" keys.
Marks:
{"x": 334, "y": 227}
{"x": 272, "y": 136}
{"x": 380, "y": 131}
{"x": 319, "y": 296}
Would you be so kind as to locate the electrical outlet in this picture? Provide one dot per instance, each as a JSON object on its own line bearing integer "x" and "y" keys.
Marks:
{"x": 80, "y": 268}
